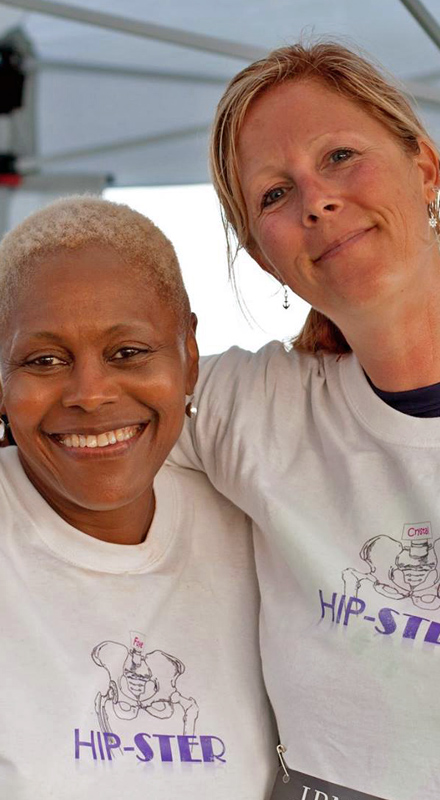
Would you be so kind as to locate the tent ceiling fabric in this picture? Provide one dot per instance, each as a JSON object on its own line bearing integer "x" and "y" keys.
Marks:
{"x": 131, "y": 105}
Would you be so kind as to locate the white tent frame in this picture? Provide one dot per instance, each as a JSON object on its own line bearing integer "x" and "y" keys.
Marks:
{"x": 209, "y": 44}
{"x": 33, "y": 164}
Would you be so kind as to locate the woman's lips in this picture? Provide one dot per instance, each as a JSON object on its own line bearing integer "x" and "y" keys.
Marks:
{"x": 104, "y": 439}
{"x": 340, "y": 244}
{"x": 106, "y": 443}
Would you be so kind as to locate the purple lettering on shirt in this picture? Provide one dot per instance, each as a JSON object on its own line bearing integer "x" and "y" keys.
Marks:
{"x": 207, "y": 745}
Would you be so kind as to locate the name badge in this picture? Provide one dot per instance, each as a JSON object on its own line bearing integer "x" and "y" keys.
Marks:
{"x": 293, "y": 785}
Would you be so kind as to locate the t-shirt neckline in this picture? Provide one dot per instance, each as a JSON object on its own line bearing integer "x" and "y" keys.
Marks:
{"x": 74, "y": 546}
{"x": 378, "y": 417}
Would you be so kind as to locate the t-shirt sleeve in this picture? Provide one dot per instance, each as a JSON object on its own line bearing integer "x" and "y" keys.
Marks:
{"x": 231, "y": 390}
{"x": 193, "y": 446}
{"x": 204, "y": 438}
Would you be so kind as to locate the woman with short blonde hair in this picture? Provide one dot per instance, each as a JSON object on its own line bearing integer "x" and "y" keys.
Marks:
{"x": 126, "y": 670}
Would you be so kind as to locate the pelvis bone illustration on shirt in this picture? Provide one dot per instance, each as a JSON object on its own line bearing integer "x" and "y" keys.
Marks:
{"x": 408, "y": 568}
{"x": 141, "y": 681}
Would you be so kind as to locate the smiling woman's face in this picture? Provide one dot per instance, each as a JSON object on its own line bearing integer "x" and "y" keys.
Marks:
{"x": 95, "y": 368}
{"x": 337, "y": 208}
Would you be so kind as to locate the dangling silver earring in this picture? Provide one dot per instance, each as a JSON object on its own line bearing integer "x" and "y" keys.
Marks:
{"x": 434, "y": 209}
{"x": 286, "y": 303}
{"x": 190, "y": 408}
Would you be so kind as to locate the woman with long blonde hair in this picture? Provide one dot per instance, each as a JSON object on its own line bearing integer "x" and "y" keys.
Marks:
{"x": 329, "y": 180}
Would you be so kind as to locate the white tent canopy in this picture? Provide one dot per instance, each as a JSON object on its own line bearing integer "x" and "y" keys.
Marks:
{"x": 130, "y": 98}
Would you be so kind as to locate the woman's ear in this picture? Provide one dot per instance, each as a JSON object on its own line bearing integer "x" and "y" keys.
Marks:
{"x": 192, "y": 356}
{"x": 427, "y": 160}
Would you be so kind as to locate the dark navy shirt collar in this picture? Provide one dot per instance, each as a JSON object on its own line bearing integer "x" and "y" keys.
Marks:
{"x": 424, "y": 402}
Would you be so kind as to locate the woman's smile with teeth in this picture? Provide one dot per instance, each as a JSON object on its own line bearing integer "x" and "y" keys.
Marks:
{"x": 100, "y": 439}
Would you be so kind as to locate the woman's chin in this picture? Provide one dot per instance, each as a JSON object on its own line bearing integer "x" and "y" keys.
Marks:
{"x": 76, "y": 484}
{"x": 103, "y": 496}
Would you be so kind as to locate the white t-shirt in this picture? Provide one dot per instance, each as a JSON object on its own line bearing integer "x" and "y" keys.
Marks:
{"x": 344, "y": 492}
{"x": 130, "y": 671}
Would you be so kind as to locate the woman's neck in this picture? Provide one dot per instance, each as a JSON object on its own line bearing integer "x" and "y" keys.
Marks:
{"x": 399, "y": 346}
{"x": 126, "y": 524}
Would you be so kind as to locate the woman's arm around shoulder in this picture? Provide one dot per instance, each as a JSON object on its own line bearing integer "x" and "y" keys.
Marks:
{"x": 234, "y": 389}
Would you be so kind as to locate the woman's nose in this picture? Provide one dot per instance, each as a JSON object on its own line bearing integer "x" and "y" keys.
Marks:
{"x": 90, "y": 386}
{"x": 319, "y": 201}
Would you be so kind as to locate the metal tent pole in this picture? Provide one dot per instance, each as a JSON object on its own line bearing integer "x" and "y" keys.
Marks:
{"x": 58, "y": 65}
{"x": 148, "y": 30}
{"x": 424, "y": 18}
{"x": 36, "y": 163}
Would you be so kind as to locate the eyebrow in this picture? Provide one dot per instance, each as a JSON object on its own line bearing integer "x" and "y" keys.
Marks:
{"x": 321, "y": 139}
{"x": 46, "y": 335}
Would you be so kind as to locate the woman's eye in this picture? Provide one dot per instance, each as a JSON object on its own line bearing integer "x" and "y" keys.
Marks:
{"x": 343, "y": 154}
{"x": 45, "y": 361}
{"x": 272, "y": 196}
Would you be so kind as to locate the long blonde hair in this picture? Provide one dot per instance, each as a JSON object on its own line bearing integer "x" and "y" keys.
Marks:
{"x": 341, "y": 70}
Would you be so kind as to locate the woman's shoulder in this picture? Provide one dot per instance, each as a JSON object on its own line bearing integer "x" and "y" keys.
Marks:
{"x": 193, "y": 489}
{"x": 13, "y": 482}
{"x": 198, "y": 513}
{"x": 277, "y": 362}
{"x": 10, "y": 467}
{"x": 237, "y": 355}
{"x": 240, "y": 363}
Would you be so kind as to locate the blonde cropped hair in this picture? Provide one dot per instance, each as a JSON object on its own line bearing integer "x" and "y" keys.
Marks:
{"x": 343, "y": 71}
{"x": 72, "y": 223}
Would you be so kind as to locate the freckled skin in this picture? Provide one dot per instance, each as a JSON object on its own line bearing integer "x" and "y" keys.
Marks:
{"x": 315, "y": 167}
{"x": 111, "y": 354}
